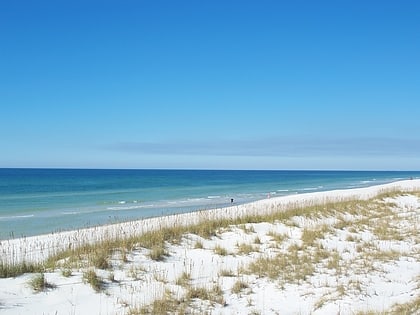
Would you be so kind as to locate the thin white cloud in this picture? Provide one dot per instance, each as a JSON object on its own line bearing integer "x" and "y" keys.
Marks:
{"x": 284, "y": 147}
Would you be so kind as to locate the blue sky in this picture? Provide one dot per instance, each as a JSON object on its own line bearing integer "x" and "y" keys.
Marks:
{"x": 210, "y": 84}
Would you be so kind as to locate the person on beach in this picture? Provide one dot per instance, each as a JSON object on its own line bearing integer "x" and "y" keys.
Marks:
{"x": 231, "y": 200}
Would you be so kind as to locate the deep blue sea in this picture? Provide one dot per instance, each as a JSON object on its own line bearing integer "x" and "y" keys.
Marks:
{"x": 39, "y": 201}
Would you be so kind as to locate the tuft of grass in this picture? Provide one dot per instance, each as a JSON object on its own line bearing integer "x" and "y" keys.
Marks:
{"x": 226, "y": 273}
{"x": 293, "y": 266}
{"x": 38, "y": 283}
{"x": 245, "y": 249}
{"x": 218, "y": 250}
{"x": 214, "y": 294}
{"x": 184, "y": 279}
{"x": 13, "y": 270}
{"x": 334, "y": 261}
{"x": 167, "y": 304}
{"x": 410, "y": 307}
{"x": 309, "y": 237}
{"x": 239, "y": 286}
{"x": 277, "y": 237}
{"x": 384, "y": 231}
{"x": 198, "y": 245}
{"x": 158, "y": 253}
{"x": 351, "y": 238}
{"x": 93, "y": 279}
{"x": 66, "y": 272}
{"x": 99, "y": 259}
{"x": 384, "y": 255}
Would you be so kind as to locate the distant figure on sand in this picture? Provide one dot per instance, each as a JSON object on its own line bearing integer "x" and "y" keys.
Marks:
{"x": 231, "y": 200}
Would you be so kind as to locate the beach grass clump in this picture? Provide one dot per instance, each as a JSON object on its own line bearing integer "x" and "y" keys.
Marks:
{"x": 226, "y": 273}
{"x": 410, "y": 307}
{"x": 310, "y": 236}
{"x": 351, "y": 238}
{"x": 385, "y": 231}
{"x": 218, "y": 250}
{"x": 239, "y": 286}
{"x": 245, "y": 249}
{"x": 93, "y": 279}
{"x": 99, "y": 259}
{"x": 184, "y": 279}
{"x": 158, "y": 253}
{"x": 292, "y": 266}
{"x": 66, "y": 272}
{"x": 38, "y": 283}
{"x": 384, "y": 255}
{"x": 277, "y": 237}
{"x": 9, "y": 270}
{"x": 198, "y": 245}
{"x": 334, "y": 261}
{"x": 167, "y": 304}
{"x": 213, "y": 294}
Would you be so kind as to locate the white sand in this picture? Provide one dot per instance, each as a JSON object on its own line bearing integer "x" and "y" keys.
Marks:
{"x": 141, "y": 280}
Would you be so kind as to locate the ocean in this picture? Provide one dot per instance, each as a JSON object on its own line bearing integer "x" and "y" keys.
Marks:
{"x": 41, "y": 201}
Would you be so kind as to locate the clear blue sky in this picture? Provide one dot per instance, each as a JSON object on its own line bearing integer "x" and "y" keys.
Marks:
{"x": 210, "y": 84}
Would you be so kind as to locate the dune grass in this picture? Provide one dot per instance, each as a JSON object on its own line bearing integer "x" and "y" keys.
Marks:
{"x": 38, "y": 283}
{"x": 9, "y": 270}
{"x": 90, "y": 276}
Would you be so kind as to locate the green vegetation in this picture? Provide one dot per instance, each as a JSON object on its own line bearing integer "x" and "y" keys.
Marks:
{"x": 220, "y": 250}
{"x": 168, "y": 304}
{"x": 239, "y": 286}
{"x": 198, "y": 245}
{"x": 277, "y": 237}
{"x": 92, "y": 278}
{"x": 245, "y": 249}
{"x": 158, "y": 252}
{"x": 184, "y": 279}
{"x": 213, "y": 294}
{"x": 38, "y": 283}
{"x": 13, "y": 270}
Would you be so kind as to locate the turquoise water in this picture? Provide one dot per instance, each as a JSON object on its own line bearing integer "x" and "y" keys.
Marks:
{"x": 38, "y": 201}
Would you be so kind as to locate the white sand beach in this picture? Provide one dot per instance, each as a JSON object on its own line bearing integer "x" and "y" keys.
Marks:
{"x": 334, "y": 262}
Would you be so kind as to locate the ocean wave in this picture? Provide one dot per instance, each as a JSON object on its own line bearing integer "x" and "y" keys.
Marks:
{"x": 367, "y": 181}
{"x": 130, "y": 207}
{"x": 16, "y": 217}
{"x": 213, "y": 197}
{"x": 70, "y": 212}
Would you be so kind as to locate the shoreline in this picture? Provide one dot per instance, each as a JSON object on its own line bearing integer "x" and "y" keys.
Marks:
{"x": 35, "y": 249}
{"x": 45, "y": 202}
